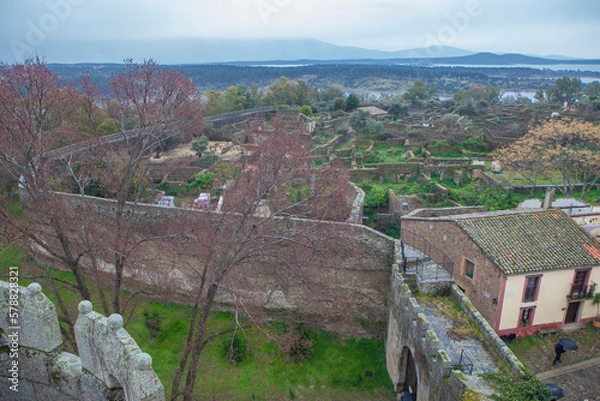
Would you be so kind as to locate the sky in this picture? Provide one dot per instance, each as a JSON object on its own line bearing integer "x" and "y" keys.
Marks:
{"x": 59, "y": 29}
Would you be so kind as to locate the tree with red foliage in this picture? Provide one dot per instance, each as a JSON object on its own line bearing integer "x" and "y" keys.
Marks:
{"x": 37, "y": 116}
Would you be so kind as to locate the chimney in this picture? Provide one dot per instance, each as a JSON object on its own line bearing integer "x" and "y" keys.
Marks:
{"x": 549, "y": 197}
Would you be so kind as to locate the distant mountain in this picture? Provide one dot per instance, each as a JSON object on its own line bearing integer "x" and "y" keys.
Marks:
{"x": 268, "y": 51}
{"x": 200, "y": 51}
{"x": 506, "y": 59}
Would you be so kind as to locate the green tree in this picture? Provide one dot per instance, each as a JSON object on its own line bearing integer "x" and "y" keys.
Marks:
{"x": 592, "y": 91}
{"x": 363, "y": 124}
{"x": 358, "y": 121}
{"x": 199, "y": 145}
{"x": 283, "y": 91}
{"x": 253, "y": 96}
{"x": 339, "y": 104}
{"x": 233, "y": 100}
{"x": 566, "y": 90}
{"x": 214, "y": 103}
{"x": 419, "y": 93}
{"x": 480, "y": 95}
{"x": 306, "y": 110}
{"x": 304, "y": 93}
{"x": 329, "y": 94}
{"x": 352, "y": 101}
{"x": 398, "y": 110}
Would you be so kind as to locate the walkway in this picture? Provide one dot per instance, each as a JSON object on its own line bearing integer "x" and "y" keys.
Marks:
{"x": 422, "y": 265}
{"x": 480, "y": 358}
{"x": 568, "y": 368}
{"x": 580, "y": 381}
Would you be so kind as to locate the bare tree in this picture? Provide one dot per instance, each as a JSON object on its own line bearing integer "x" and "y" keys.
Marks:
{"x": 262, "y": 222}
{"x": 156, "y": 106}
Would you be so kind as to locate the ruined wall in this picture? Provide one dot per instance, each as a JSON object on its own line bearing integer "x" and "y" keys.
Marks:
{"x": 408, "y": 328}
{"x": 110, "y": 365}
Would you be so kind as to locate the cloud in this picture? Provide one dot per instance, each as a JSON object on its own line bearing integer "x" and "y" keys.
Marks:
{"x": 533, "y": 26}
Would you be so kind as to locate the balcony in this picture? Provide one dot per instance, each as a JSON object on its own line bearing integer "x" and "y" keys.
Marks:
{"x": 582, "y": 292}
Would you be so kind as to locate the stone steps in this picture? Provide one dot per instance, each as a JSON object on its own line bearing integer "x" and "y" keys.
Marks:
{"x": 411, "y": 281}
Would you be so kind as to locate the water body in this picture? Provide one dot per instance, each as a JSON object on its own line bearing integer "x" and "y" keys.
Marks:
{"x": 551, "y": 67}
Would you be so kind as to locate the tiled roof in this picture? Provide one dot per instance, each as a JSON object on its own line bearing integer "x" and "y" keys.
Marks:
{"x": 531, "y": 241}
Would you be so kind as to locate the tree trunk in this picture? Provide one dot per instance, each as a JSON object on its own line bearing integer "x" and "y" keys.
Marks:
{"x": 199, "y": 343}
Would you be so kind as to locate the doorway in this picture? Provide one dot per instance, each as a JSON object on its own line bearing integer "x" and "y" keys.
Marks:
{"x": 572, "y": 312}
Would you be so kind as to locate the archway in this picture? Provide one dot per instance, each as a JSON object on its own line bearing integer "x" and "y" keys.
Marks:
{"x": 408, "y": 374}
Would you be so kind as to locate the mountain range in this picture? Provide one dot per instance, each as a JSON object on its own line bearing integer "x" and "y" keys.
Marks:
{"x": 282, "y": 51}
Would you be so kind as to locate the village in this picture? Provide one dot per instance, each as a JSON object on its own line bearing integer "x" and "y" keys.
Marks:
{"x": 449, "y": 232}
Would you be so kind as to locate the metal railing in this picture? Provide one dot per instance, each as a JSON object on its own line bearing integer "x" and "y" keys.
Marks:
{"x": 425, "y": 269}
{"x": 582, "y": 292}
{"x": 423, "y": 245}
{"x": 465, "y": 364}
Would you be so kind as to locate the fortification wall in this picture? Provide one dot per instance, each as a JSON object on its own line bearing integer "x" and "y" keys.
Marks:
{"x": 348, "y": 273}
{"x": 110, "y": 367}
{"x": 408, "y": 329}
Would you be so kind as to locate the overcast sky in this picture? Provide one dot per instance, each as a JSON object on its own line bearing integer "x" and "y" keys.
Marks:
{"x": 543, "y": 27}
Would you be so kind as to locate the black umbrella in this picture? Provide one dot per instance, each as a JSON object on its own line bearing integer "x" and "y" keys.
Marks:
{"x": 556, "y": 392}
{"x": 567, "y": 343}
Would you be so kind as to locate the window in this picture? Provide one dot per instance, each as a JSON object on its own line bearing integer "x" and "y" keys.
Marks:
{"x": 532, "y": 287}
{"x": 469, "y": 268}
{"x": 580, "y": 281}
{"x": 526, "y": 316}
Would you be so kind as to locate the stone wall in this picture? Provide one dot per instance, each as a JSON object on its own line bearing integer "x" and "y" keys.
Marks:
{"x": 351, "y": 263}
{"x": 110, "y": 367}
{"x": 408, "y": 328}
{"x": 488, "y": 332}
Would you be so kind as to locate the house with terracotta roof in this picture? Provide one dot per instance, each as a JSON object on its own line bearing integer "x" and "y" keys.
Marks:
{"x": 524, "y": 270}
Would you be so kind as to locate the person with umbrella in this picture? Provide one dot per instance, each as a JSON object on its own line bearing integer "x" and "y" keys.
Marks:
{"x": 558, "y": 350}
{"x": 561, "y": 347}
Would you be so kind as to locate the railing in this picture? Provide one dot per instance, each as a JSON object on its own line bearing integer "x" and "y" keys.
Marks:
{"x": 425, "y": 271}
{"x": 582, "y": 292}
{"x": 464, "y": 364}
{"x": 423, "y": 245}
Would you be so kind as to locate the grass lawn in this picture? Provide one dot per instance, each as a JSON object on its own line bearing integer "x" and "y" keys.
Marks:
{"x": 335, "y": 370}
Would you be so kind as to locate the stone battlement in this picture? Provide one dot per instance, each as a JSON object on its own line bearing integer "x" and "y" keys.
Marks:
{"x": 110, "y": 365}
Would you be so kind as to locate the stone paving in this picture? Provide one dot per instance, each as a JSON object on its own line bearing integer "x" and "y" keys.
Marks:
{"x": 481, "y": 359}
{"x": 580, "y": 381}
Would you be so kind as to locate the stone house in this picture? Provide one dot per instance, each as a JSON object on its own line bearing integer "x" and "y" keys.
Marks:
{"x": 375, "y": 112}
{"x": 524, "y": 270}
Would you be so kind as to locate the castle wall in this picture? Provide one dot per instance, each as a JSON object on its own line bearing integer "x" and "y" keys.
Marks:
{"x": 348, "y": 272}
{"x": 110, "y": 367}
{"x": 408, "y": 328}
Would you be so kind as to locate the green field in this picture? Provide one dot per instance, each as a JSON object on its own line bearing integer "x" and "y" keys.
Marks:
{"x": 334, "y": 371}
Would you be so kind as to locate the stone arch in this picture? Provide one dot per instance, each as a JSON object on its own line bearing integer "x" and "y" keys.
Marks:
{"x": 409, "y": 381}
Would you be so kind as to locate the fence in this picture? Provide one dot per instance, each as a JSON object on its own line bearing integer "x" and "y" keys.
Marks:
{"x": 423, "y": 245}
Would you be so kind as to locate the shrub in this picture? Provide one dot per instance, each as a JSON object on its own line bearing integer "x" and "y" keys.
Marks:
{"x": 202, "y": 181}
{"x": 525, "y": 388}
{"x": 296, "y": 344}
{"x": 450, "y": 119}
{"x": 199, "y": 145}
{"x": 375, "y": 196}
{"x": 235, "y": 349}
{"x": 306, "y": 110}
{"x": 153, "y": 322}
